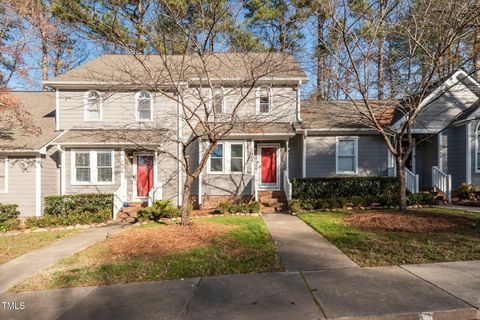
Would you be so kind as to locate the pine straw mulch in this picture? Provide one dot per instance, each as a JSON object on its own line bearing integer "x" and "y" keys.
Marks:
{"x": 166, "y": 239}
{"x": 413, "y": 221}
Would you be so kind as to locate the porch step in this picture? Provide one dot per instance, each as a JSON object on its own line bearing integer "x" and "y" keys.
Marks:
{"x": 129, "y": 214}
{"x": 273, "y": 201}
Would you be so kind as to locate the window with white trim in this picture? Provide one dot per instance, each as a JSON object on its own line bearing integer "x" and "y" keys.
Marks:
{"x": 144, "y": 106}
{"x": 218, "y": 101}
{"x": 92, "y": 166}
{"x": 347, "y": 155}
{"x": 3, "y": 174}
{"x": 93, "y": 106}
{"x": 216, "y": 159}
{"x": 264, "y": 102}
{"x": 236, "y": 157}
{"x": 228, "y": 157}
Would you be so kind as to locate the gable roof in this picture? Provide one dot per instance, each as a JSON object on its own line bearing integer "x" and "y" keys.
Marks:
{"x": 41, "y": 106}
{"x": 344, "y": 114}
{"x": 159, "y": 69}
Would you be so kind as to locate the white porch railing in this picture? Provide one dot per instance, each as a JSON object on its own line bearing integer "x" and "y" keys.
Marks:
{"x": 287, "y": 186}
{"x": 255, "y": 187}
{"x": 119, "y": 197}
{"x": 155, "y": 194}
{"x": 442, "y": 182}
{"x": 411, "y": 181}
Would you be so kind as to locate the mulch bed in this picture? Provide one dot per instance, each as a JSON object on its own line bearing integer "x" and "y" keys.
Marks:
{"x": 407, "y": 222}
{"x": 165, "y": 239}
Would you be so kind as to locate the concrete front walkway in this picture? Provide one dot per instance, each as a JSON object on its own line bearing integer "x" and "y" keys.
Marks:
{"x": 353, "y": 293}
{"x": 459, "y": 207}
{"x": 23, "y": 267}
{"x": 302, "y": 248}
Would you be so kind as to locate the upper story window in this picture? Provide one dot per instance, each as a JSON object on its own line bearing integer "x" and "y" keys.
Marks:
{"x": 218, "y": 100}
{"x": 93, "y": 106}
{"x": 3, "y": 174}
{"x": 347, "y": 155}
{"x": 92, "y": 167}
{"x": 264, "y": 100}
{"x": 144, "y": 106}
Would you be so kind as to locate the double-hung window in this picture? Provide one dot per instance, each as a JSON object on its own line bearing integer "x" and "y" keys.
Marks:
{"x": 216, "y": 159}
{"x": 144, "y": 106}
{"x": 347, "y": 155}
{"x": 264, "y": 101}
{"x": 92, "y": 167}
{"x": 3, "y": 174}
{"x": 93, "y": 106}
{"x": 227, "y": 157}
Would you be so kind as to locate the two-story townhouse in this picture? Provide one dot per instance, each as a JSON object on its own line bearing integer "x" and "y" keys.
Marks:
{"x": 108, "y": 127}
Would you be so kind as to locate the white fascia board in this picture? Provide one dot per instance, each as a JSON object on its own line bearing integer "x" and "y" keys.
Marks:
{"x": 439, "y": 91}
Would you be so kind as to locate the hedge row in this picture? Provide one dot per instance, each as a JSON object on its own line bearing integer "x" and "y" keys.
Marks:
{"x": 297, "y": 205}
{"x": 77, "y": 203}
{"x": 69, "y": 219}
{"x": 345, "y": 187}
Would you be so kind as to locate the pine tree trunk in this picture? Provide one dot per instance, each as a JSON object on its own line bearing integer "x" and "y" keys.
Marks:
{"x": 402, "y": 192}
{"x": 476, "y": 53}
{"x": 320, "y": 92}
{"x": 381, "y": 46}
{"x": 44, "y": 44}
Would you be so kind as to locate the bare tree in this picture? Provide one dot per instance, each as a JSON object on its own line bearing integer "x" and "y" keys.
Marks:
{"x": 425, "y": 33}
{"x": 192, "y": 80}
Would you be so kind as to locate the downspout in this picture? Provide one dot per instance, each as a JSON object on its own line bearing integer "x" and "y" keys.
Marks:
{"x": 179, "y": 153}
{"x": 38, "y": 185}
{"x": 469, "y": 154}
{"x": 304, "y": 154}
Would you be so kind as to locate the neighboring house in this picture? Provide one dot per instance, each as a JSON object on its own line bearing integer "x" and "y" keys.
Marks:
{"x": 100, "y": 135}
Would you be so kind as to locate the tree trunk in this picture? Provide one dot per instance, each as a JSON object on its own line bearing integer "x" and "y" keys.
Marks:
{"x": 320, "y": 92}
{"x": 476, "y": 53}
{"x": 402, "y": 191}
{"x": 381, "y": 46}
{"x": 187, "y": 188}
{"x": 139, "y": 47}
{"x": 44, "y": 41}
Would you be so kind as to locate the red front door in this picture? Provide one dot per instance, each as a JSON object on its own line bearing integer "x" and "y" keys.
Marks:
{"x": 269, "y": 165}
{"x": 144, "y": 175}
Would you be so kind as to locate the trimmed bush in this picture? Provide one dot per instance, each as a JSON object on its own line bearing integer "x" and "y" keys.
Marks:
{"x": 423, "y": 198}
{"x": 69, "y": 219}
{"x": 252, "y": 207}
{"x": 159, "y": 209}
{"x": 77, "y": 203}
{"x": 345, "y": 187}
{"x": 466, "y": 191}
{"x": 9, "y": 217}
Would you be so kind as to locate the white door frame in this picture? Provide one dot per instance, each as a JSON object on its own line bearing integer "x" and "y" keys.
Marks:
{"x": 134, "y": 180}
{"x": 268, "y": 186}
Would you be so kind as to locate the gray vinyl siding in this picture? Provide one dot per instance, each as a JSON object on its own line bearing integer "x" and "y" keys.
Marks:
{"x": 439, "y": 113}
{"x": 167, "y": 176}
{"x": 21, "y": 184}
{"x": 426, "y": 158}
{"x": 50, "y": 173}
{"x": 118, "y": 111}
{"x": 473, "y": 141}
{"x": 321, "y": 157}
{"x": 295, "y": 156}
{"x": 456, "y": 154}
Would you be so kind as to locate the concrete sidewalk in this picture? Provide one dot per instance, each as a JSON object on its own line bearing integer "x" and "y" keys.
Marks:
{"x": 301, "y": 248}
{"x": 23, "y": 267}
{"x": 371, "y": 293}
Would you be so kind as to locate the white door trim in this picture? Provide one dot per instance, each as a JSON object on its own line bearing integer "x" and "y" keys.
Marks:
{"x": 269, "y": 186}
{"x": 134, "y": 180}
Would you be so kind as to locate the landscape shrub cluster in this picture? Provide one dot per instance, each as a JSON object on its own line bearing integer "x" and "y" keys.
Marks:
{"x": 159, "y": 209}
{"x": 343, "y": 187}
{"x": 9, "y": 217}
{"x": 467, "y": 191}
{"x": 69, "y": 219}
{"x": 227, "y": 207}
{"x": 77, "y": 203}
